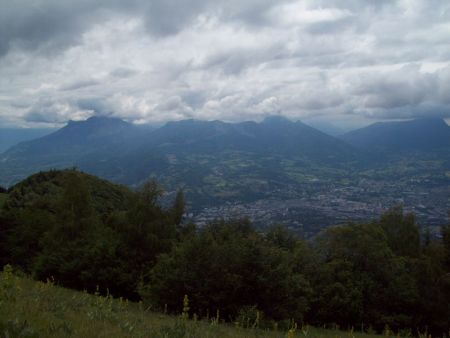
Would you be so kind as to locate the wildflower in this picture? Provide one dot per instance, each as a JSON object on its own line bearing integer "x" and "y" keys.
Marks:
{"x": 185, "y": 313}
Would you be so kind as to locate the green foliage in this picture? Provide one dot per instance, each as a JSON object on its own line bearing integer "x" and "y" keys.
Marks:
{"x": 3, "y": 197}
{"x": 179, "y": 206}
{"x": 7, "y": 285}
{"x": 402, "y": 232}
{"x": 16, "y": 328}
{"x": 368, "y": 274}
{"x": 446, "y": 244}
{"x": 229, "y": 266}
{"x": 84, "y": 231}
{"x": 88, "y": 234}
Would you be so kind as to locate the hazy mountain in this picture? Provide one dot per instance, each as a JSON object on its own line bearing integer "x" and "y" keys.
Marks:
{"x": 274, "y": 135}
{"x": 416, "y": 135}
{"x": 326, "y": 127}
{"x": 212, "y": 156}
{"x": 12, "y": 136}
{"x": 86, "y": 144}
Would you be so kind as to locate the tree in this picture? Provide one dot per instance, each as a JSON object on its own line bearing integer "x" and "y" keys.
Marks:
{"x": 150, "y": 192}
{"x": 350, "y": 277}
{"x": 402, "y": 232}
{"x": 445, "y": 231}
{"x": 67, "y": 243}
{"x": 179, "y": 206}
{"x": 228, "y": 266}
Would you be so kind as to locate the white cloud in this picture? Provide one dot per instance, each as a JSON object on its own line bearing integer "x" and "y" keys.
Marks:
{"x": 231, "y": 60}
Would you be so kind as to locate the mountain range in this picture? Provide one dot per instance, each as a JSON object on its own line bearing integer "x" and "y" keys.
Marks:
{"x": 128, "y": 154}
{"x": 215, "y": 161}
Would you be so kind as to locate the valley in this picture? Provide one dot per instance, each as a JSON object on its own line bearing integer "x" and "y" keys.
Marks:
{"x": 307, "y": 209}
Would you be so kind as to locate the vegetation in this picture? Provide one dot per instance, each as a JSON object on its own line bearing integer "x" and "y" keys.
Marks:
{"x": 88, "y": 234}
{"x": 3, "y": 198}
{"x": 52, "y": 311}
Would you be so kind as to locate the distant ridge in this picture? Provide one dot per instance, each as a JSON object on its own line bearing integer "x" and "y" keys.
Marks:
{"x": 274, "y": 134}
{"x": 125, "y": 153}
{"x": 76, "y": 138}
{"x": 420, "y": 134}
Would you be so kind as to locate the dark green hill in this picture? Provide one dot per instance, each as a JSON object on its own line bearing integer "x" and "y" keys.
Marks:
{"x": 83, "y": 230}
{"x": 46, "y": 188}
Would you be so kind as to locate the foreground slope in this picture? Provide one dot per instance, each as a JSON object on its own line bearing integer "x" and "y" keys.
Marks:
{"x": 57, "y": 312}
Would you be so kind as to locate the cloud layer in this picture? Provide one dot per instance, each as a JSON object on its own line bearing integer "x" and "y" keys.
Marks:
{"x": 159, "y": 60}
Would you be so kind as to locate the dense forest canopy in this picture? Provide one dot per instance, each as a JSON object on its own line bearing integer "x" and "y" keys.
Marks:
{"x": 85, "y": 232}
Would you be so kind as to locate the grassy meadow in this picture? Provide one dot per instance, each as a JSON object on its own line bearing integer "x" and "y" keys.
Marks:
{"x": 36, "y": 309}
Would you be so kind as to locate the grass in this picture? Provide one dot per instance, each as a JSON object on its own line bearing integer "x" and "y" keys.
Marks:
{"x": 35, "y": 309}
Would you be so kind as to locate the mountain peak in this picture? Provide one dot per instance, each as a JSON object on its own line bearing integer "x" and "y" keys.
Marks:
{"x": 95, "y": 125}
{"x": 277, "y": 119}
{"x": 99, "y": 121}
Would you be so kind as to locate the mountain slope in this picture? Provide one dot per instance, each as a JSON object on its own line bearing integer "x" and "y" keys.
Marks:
{"x": 77, "y": 138}
{"x": 217, "y": 162}
{"x": 91, "y": 145}
{"x": 420, "y": 134}
{"x": 273, "y": 135}
{"x": 122, "y": 152}
{"x": 12, "y": 136}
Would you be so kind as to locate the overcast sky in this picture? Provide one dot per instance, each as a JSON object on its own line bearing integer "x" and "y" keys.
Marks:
{"x": 346, "y": 61}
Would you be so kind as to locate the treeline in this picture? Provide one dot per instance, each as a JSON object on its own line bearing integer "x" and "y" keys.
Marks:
{"x": 84, "y": 233}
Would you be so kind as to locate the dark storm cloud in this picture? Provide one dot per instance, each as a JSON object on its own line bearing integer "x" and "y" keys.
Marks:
{"x": 234, "y": 60}
{"x": 55, "y": 24}
{"x": 50, "y": 24}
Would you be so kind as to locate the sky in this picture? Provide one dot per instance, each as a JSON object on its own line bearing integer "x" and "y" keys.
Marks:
{"x": 346, "y": 62}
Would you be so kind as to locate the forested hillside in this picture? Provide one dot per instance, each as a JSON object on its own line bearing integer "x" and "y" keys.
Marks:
{"x": 87, "y": 233}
